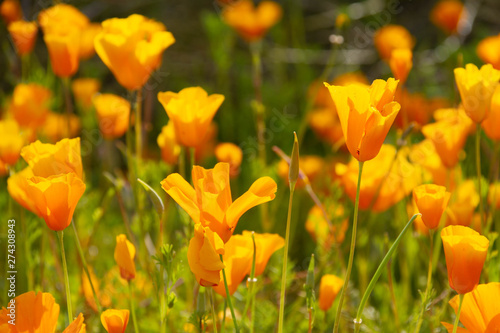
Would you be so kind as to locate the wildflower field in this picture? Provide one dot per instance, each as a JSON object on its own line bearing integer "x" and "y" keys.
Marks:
{"x": 249, "y": 166}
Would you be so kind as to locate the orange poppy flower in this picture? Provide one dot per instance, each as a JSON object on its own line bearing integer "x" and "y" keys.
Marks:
{"x": 11, "y": 11}
{"x": 431, "y": 201}
{"x": 55, "y": 198}
{"x": 325, "y": 123}
{"x": 29, "y": 104}
{"x": 329, "y": 287}
{"x": 230, "y": 153}
{"x": 84, "y": 90}
{"x": 465, "y": 251}
{"x": 320, "y": 231}
{"x": 366, "y": 115}
{"x": 390, "y": 38}
{"x": 494, "y": 195}
{"x": 62, "y": 43}
{"x": 446, "y": 15}
{"x": 23, "y": 35}
{"x": 55, "y": 127}
{"x": 461, "y": 210}
{"x": 401, "y": 62}
{"x": 210, "y": 202}
{"x": 62, "y": 14}
{"x": 266, "y": 245}
{"x": 191, "y": 110}
{"x": 115, "y": 321}
{"x": 124, "y": 257}
{"x": 170, "y": 149}
{"x": 11, "y": 143}
{"x": 488, "y": 50}
{"x": 76, "y": 326}
{"x": 113, "y": 112}
{"x": 252, "y": 22}
{"x": 87, "y": 292}
{"x": 86, "y": 46}
{"x": 47, "y": 159}
{"x": 491, "y": 124}
{"x": 203, "y": 256}
{"x": 476, "y": 87}
{"x": 480, "y": 309}
{"x": 132, "y": 48}
{"x": 17, "y": 185}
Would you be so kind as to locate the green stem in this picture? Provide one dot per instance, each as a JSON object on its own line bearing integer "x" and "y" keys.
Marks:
{"x": 259, "y": 110}
{"x": 66, "y": 278}
{"x": 285, "y": 260}
{"x": 69, "y": 106}
{"x": 132, "y": 307}
{"x": 85, "y": 268}
{"x": 429, "y": 282}
{"x": 457, "y": 318}
{"x": 378, "y": 272}
{"x": 251, "y": 288}
{"x": 351, "y": 253}
{"x": 478, "y": 168}
{"x": 214, "y": 316}
{"x": 228, "y": 297}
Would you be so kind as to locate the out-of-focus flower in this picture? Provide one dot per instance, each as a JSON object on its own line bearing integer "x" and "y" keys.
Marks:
{"x": 191, "y": 110}
{"x": 11, "y": 11}
{"x": 392, "y": 37}
{"x": 167, "y": 142}
{"x": 465, "y": 251}
{"x": 63, "y": 44}
{"x": 17, "y": 185}
{"x": 491, "y": 124}
{"x": 266, "y": 245}
{"x": 29, "y": 104}
{"x": 312, "y": 166}
{"x": 132, "y": 48}
{"x": 113, "y": 113}
{"x": 238, "y": 256}
{"x": 251, "y": 22}
{"x": 230, "y": 153}
{"x": 401, "y": 62}
{"x": 329, "y": 287}
{"x": 55, "y": 198}
{"x": 494, "y": 195}
{"x": 89, "y": 295}
{"x": 84, "y": 90}
{"x": 461, "y": 210}
{"x": 431, "y": 201}
{"x": 480, "y": 309}
{"x": 124, "y": 257}
{"x": 3, "y": 169}
{"x": 47, "y": 160}
{"x": 417, "y": 108}
{"x": 55, "y": 127}
{"x": 456, "y": 115}
{"x": 206, "y": 147}
{"x": 446, "y": 15}
{"x": 11, "y": 143}
{"x": 342, "y": 20}
{"x": 489, "y": 50}
{"x": 115, "y": 321}
{"x": 86, "y": 48}
{"x": 23, "y": 35}
{"x": 62, "y": 15}
{"x": 325, "y": 123}
{"x": 203, "y": 256}
{"x": 366, "y": 115}
{"x": 320, "y": 231}
{"x": 210, "y": 202}
{"x": 476, "y": 87}
{"x": 321, "y": 95}
{"x": 76, "y": 326}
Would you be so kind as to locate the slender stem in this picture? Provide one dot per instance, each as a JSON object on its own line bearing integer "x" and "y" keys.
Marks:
{"x": 259, "y": 109}
{"x": 351, "y": 253}
{"x": 214, "y": 316}
{"x": 457, "y": 318}
{"x": 69, "y": 106}
{"x": 66, "y": 278}
{"x": 285, "y": 260}
{"x": 228, "y": 297}
{"x": 251, "y": 287}
{"x": 378, "y": 272}
{"x": 429, "y": 282}
{"x": 138, "y": 124}
{"x": 478, "y": 168}
{"x": 132, "y": 307}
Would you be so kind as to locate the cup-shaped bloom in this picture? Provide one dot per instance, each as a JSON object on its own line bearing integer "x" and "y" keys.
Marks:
{"x": 11, "y": 11}
{"x": 431, "y": 201}
{"x": 390, "y": 38}
{"x": 63, "y": 44}
{"x": 230, "y": 153}
{"x": 488, "y": 50}
{"x": 491, "y": 124}
{"x": 132, "y": 48}
{"x": 170, "y": 149}
{"x": 480, "y": 309}
{"x": 29, "y": 104}
{"x": 366, "y": 115}
{"x": 113, "y": 113}
{"x": 446, "y": 15}
{"x": 461, "y": 210}
{"x": 266, "y": 245}
{"x": 11, "y": 143}
{"x": 55, "y": 198}
{"x": 329, "y": 287}
{"x": 115, "y": 321}
{"x": 210, "y": 202}
{"x": 191, "y": 110}
{"x": 62, "y": 14}
{"x": 47, "y": 159}
{"x": 17, "y": 185}
{"x": 465, "y": 250}
{"x": 238, "y": 255}
{"x": 23, "y": 35}
{"x": 86, "y": 48}
{"x": 124, "y": 257}
{"x": 251, "y": 22}
{"x": 401, "y": 62}
{"x": 204, "y": 253}
{"x": 35, "y": 312}
{"x": 84, "y": 90}
{"x": 476, "y": 87}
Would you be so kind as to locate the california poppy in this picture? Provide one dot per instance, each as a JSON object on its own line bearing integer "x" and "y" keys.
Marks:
{"x": 491, "y": 123}
{"x": 488, "y": 50}
{"x": 230, "y": 153}
{"x": 84, "y": 90}
{"x": 17, "y": 185}
{"x": 23, "y": 35}
{"x": 113, "y": 113}
{"x": 392, "y": 37}
{"x": 115, "y": 321}
{"x": 329, "y": 287}
{"x": 30, "y": 104}
{"x": 447, "y": 14}
{"x": 401, "y": 62}
{"x": 431, "y": 201}
{"x": 170, "y": 149}
{"x": 124, "y": 257}
{"x": 12, "y": 141}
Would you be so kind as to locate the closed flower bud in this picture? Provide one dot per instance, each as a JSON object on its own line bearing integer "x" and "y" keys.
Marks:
{"x": 431, "y": 201}
{"x": 329, "y": 287}
{"x": 124, "y": 257}
{"x": 23, "y": 35}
